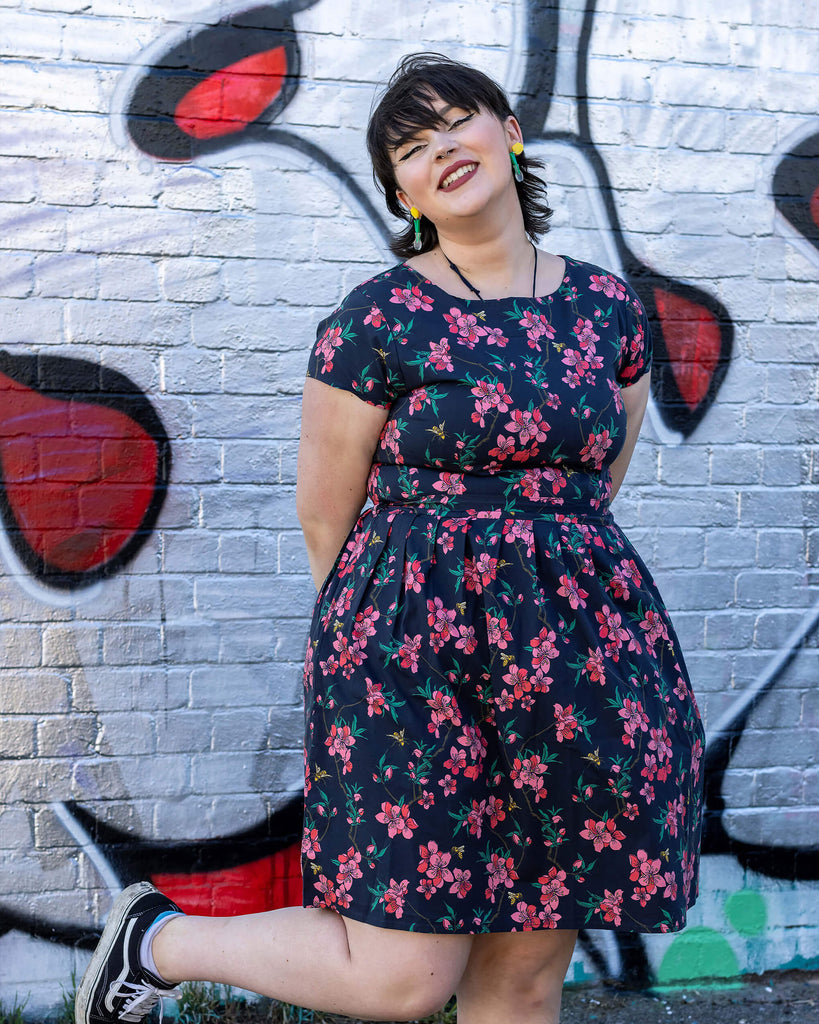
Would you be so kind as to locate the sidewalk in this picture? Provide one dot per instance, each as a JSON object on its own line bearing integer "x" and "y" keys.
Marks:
{"x": 772, "y": 998}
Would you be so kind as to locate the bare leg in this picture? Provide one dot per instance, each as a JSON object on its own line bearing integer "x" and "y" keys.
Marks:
{"x": 516, "y": 976}
{"x": 318, "y": 959}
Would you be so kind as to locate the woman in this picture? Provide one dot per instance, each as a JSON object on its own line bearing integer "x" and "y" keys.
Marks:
{"x": 502, "y": 744}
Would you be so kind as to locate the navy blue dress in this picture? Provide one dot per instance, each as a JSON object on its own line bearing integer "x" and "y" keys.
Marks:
{"x": 500, "y": 730}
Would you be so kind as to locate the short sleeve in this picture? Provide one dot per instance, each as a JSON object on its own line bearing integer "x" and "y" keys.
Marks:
{"x": 634, "y": 360}
{"x": 353, "y": 350}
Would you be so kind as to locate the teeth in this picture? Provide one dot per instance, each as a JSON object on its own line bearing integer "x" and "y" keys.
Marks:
{"x": 457, "y": 174}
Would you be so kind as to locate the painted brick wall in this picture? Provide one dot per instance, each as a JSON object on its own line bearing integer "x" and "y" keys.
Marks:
{"x": 159, "y": 697}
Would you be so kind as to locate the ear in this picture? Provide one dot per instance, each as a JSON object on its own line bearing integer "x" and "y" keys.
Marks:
{"x": 513, "y": 132}
{"x": 403, "y": 199}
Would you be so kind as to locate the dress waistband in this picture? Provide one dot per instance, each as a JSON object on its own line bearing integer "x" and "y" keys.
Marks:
{"x": 536, "y": 493}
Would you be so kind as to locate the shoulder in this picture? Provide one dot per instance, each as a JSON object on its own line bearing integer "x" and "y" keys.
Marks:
{"x": 377, "y": 289}
{"x": 607, "y": 283}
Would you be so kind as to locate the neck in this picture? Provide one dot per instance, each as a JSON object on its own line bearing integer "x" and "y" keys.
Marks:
{"x": 495, "y": 257}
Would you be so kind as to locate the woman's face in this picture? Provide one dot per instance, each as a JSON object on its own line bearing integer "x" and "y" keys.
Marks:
{"x": 457, "y": 169}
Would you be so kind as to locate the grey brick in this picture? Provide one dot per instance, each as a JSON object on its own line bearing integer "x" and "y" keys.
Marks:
{"x": 729, "y": 630}
{"x": 75, "y": 644}
{"x": 114, "y": 322}
{"x": 70, "y": 736}
{"x": 248, "y": 551}
{"x": 680, "y": 548}
{"x": 38, "y": 691}
{"x": 233, "y": 505}
{"x": 17, "y": 737}
{"x": 20, "y": 647}
{"x": 760, "y": 589}
{"x": 256, "y": 462}
{"x": 779, "y": 787}
{"x": 735, "y": 464}
{"x": 249, "y": 597}
{"x": 781, "y": 548}
{"x": 782, "y": 467}
{"x": 15, "y": 828}
{"x": 772, "y": 748}
{"x": 195, "y": 461}
{"x": 239, "y": 730}
{"x": 184, "y": 731}
{"x": 184, "y": 549}
{"x": 128, "y": 734}
{"x": 292, "y": 553}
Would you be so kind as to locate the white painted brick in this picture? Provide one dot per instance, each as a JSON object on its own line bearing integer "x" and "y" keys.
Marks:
{"x": 67, "y": 182}
{"x": 32, "y": 319}
{"x": 192, "y": 188}
{"x": 106, "y": 229}
{"x": 58, "y": 86}
{"x": 66, "y": 275}
{"x": 105, "y": 40}
{"x": 128, "y": 277}
{"x": 29, "y": 226}
{"x": 17, "y": 274}
{"x": 125, "y": 183}
{"x": 30, "y": 35}
{"x": 114, "y": 322}
{"x": 191, "y": 280}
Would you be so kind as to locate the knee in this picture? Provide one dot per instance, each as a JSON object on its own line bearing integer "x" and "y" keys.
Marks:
{"x": 421, "y": 996}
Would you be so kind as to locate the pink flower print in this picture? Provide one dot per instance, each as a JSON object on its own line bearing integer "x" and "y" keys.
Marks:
{"x": 364, "y": 625}
{"x": 518, "y": 678}
{"x": 595, "y": 666}
{"x": 528, "y": 425}
{"x": 604, "y": 834}
{"x": 409, "y": 650}
{"x": 465, "y": 325}
{"x": 448, "y": 783}
{"x": 625, "y": 574}
{"x": 608, "y": 285}
{"x": 349, "y": 867}
{"x": 537, "y": 326}
{"x": 486, "y": 567}
{"x": 584, "y": 329}
{"x": 413, "y": 577}
{"x": 450, "y": 483}
{"x": 501, "y": 871}
{"x": 565, "y": 722}
{"x": 447, "y": 542}
{"x": 634, "y": 718}
{"x": 552, "y": 887}
{"x": 418, "y": 399}
{"x": 661, "y": 743}
{"x": 526, "y": 915}
{"x": 456, "y": 760}
{"x": 327, "y": 894}
{"x": 495, "y": 336}
{"x": 647, "y": 873}
{"x": 397, "y": 819}
{"x": 595, "y": 449}
{"x": 529, "y": 771}
{"x": 611, "y": 630}
{"x": 696, "y": 756}
{"x": 544, "y": 650}
{"x": 670, "y": 880}
{"x": 375, "y": 698}
{"x": 654, "y": 629}
{"x": 549, "y": 917}
{"x": 375, "y": 316}
{"x": 611, "y": 906}
{"x": 395, "y": 896}
{"x": 472, "y": 738}
{"x": 467, "y": 641}
{"x": 498, "y": 631}
{"x": 310, "y": 844}
{"x": 434, "y": 863}
{"x": 647, "y": 793}
{"x": 440, "y": 618}
{"x": 614, "y": 387}
{"x": 444, "y": 708}
{"x": 427, "y": 800}
{"x": 439, "y": 356}
{"x": 490, "y": 395}
{"x": 413, "y": 298}
{"x": 504, "y": 447}
{"x": 571, "y": 588}
{"x": 427, "y": 887}
{"x": 460, "y": 884}
{"x": 327, "y": 345}
{"x": 474, "y": 818}
{"x": 494, "y": 811}
{"x": 340, "y": 741}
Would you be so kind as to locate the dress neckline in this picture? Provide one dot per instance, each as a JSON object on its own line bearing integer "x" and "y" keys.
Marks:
{"x": 483, "y": 302}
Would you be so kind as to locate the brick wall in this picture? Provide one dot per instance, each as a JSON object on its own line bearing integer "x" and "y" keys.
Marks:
{"x": 161, "y": 698}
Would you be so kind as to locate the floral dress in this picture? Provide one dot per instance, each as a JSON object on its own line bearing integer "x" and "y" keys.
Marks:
{"x": 500, "y": 730}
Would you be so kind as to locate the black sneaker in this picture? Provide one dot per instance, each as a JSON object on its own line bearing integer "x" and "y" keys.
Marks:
{"x": 116, "y": 986}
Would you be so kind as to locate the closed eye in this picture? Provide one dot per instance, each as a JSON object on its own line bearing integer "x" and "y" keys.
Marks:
{"x": 460, "y": 121}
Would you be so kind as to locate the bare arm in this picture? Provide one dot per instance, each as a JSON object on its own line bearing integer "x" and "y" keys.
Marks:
{"x": 635, "y": 399}
{"x": 339, "y": 434}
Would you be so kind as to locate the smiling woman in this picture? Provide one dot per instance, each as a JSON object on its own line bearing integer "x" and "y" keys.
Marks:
{"x": 502, "y": 745}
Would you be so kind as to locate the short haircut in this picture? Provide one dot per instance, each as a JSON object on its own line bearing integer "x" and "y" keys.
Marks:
{"x": 407, "y": 106}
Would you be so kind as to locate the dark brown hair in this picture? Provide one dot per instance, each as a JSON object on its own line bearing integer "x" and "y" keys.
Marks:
{"x": 407, "y": 106}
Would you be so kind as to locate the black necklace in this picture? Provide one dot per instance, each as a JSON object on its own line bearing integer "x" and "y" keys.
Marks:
{"x": 472, "y": 287}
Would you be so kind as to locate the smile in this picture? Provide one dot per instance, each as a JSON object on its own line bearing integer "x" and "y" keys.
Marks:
{"x": 464, "y": 171}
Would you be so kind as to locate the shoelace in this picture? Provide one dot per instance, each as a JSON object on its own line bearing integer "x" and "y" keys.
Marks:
{"x": 140, "y": 999}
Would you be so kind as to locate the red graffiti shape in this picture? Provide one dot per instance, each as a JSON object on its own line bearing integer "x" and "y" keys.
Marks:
{"x": 814, "y": 206}
{"x": 265, "y": 884}
{"x": 232, "y": 98}
{"x": 692, "y": 338}
{"x": 78, "y": 476}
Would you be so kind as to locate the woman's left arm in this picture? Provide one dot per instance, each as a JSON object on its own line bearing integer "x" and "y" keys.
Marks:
{"x": 635, "y": 399}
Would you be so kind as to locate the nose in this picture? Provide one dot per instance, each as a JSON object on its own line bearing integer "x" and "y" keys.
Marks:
{"x": 444, "y": 146}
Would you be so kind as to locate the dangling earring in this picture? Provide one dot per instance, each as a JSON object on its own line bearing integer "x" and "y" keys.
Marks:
{"x": 415, "y": 213}
{"x": 517, "y": 149}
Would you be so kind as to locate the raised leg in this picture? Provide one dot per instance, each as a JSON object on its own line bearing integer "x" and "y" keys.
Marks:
{"x": 318, "y": 959}
{"x": 516, "y": 977}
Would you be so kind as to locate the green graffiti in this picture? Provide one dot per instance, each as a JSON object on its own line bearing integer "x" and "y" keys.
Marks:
{"x": 746, "y": 912}
{"x": 698, "y": 953}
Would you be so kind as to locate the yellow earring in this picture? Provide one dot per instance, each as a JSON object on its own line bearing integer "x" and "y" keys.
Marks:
{"x": 415, "y": 213}
{"x": 517, "y": 149}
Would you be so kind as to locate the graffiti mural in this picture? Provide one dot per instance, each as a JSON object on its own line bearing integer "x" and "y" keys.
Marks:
{"x": 146, "y": 495}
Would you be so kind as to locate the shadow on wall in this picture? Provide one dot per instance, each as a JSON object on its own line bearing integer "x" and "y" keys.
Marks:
{"x": 86, "y": 460}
